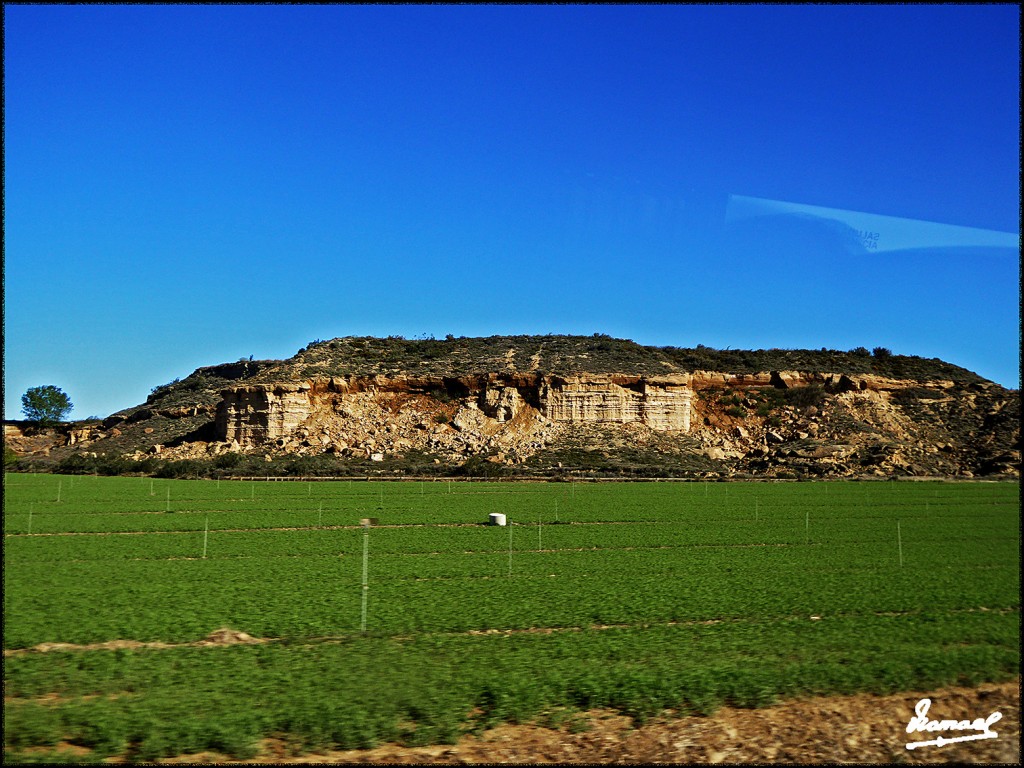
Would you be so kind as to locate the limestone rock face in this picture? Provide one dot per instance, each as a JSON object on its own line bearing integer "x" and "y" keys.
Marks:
{"x": 512, "y": 413}
{"x": 662, "y": 404}
{"x": 502, "y": 404}
{"x": 257, "y": 415}
{"x": 846, "y": 424}
{"x": 76, "y": 436}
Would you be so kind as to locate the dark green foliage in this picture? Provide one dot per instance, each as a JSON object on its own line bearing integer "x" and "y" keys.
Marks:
{"x": 227, "y": 461}
{"x": 805, "y": 397}
{"x": 162, "y": 389}
{"x": 322, "y": 465}
{"x": 566, "y": 355}
{"x": 183, "y": 468}
{"x": 85, "y": 464}
{"x": 913, "y": 394}
{"x": 75, "y": 464}
{"x": 441, "y": 395}
{"x": 32, "y": 724}
{"x": 10, "y": 458}
{"x": 203, "y": 386}
{"x": 479, "y": 466}
{"x": 46, "y": 405}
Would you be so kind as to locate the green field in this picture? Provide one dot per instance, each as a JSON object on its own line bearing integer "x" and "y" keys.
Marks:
{"x": 648, "y": 597}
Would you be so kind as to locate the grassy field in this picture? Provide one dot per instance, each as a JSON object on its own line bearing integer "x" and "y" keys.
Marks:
{"x": 640, "y": 597}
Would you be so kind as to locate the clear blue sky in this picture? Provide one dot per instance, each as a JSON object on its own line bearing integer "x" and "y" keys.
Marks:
{"x": 189, "y": 185}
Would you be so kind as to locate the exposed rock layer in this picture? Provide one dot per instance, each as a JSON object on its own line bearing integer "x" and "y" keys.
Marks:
{"x": 594, "y": 405}
{"x": 260, "y": 414}
{"x": 846, "y": 424}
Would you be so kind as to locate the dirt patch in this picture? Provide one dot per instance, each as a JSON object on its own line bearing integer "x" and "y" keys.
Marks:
{"x": 62, "y": 748}
{"x": 222, "y": 636}
{"x": 862, "y": 729}
{"x": 858, "y": 729}
{"x": 228, "y": 636}
{"x": 109, "y": 645}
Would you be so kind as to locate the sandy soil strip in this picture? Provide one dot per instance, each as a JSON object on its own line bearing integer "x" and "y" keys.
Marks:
{"x": 822, "y": 730}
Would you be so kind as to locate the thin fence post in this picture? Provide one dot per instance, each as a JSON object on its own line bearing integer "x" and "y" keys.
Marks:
{"x": 899, "y": 542}
{"x": 366, "y": 586}
{"x": 206, "y": 535}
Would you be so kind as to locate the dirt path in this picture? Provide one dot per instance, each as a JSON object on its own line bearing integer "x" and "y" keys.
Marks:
{"x": 227, "y": 636}
{"x": 862, "y": 728}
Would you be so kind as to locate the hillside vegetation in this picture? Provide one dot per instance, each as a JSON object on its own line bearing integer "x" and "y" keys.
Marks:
{"x": 551, "y": 354}
{"x": 416, "y": 411}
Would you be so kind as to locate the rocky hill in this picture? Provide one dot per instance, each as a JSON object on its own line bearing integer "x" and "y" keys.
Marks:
{"x": 543, "y": 405}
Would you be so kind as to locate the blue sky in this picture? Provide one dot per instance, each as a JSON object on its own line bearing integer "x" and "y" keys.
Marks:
{"x": 189, "y": 185}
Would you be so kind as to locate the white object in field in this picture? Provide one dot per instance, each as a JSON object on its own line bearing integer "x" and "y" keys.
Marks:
{"x": 496, "y": 518}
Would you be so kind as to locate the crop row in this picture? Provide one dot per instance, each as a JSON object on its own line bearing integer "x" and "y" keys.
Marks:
{"x": 452, "y": 552}
{"x": 182, "y": 600}
{"x": 433, "y": 502}
{"x": 321, "y": 550}
{"x": 120, "y": 515}
{"x": 314, "y": 533}
{"x": 433, "y": 689}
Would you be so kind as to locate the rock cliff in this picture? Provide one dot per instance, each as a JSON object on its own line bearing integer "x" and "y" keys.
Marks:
{"x": 590, "y": 405}
{"x": 311, "y": 415}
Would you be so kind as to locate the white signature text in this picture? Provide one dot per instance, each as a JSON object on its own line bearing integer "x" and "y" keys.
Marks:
{"x": 920, "y": 722}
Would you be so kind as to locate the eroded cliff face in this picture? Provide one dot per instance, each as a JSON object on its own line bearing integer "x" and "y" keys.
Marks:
{"x": 512, "y": 414}
{"x": 848, "y": 424}
{"x": 252, "y": 416}
{"x": 661, "y": 403}
{"x": 704, "y": 423}
{"x": 554, "y": 404}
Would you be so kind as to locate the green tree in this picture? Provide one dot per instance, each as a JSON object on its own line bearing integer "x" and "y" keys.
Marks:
{"x": 46, "y": 405}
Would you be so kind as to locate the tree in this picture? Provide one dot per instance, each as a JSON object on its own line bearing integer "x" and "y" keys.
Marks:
{"x": 46, "y": 405}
